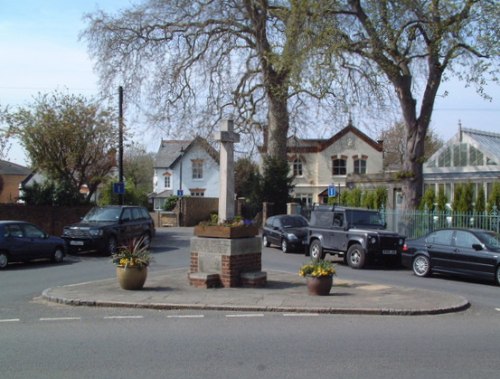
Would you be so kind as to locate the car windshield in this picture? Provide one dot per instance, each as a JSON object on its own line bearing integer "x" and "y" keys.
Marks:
{"x": 365, "y": 218}
{"x": 103, "y": 214}
{"x": 490, "y": 239}
{"x": 293, "y": 222}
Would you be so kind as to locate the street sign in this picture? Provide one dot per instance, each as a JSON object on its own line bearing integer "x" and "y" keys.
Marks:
{"x": 332, "y": 192}
{"x": 119, "y": 188}
{"x": 180, "y": 193}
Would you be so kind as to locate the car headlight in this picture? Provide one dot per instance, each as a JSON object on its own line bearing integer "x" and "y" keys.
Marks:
{"x": 291, "y": 236}
{"x": 373, "y": 240}
{"x": 95, "y": 232}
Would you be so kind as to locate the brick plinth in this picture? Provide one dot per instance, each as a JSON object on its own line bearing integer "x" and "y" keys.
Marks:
{"x": 229, "y": 258}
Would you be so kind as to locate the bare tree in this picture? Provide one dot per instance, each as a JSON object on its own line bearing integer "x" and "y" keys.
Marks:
{"x": 395, "y": 145}
{"x": 415, "y": 44}
{"x": 199, "y": 60}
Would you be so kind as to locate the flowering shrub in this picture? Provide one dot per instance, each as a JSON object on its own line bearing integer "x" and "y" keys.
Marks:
{"x": 133, "y": 254}
{"x": 317, "y": 269}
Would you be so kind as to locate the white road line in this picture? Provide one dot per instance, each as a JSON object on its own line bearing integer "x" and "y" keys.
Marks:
{"x": 246, "y": 315}
{"x": 300, "y": 314}
{"x": 10, "y": 320}
{"x": 60, "y": 318}
{"x": 122, "y": 317}
{"x": 498, "y": 309}
{"x": 186, "y": 316}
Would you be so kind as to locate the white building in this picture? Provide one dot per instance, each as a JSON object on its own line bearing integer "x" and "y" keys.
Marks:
{"x": 319, "y": 163}
{"x": 188, "y": 167}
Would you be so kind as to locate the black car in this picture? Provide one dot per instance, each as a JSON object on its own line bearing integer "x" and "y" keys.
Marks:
{"x": 466, "y": 252}
{"x": 22, "y": 242}
{"x": 287, "y": 231}
{"x": 104, "y": 229}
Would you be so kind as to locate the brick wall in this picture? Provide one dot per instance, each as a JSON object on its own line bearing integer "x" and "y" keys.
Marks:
{"x": 51, "y": 219}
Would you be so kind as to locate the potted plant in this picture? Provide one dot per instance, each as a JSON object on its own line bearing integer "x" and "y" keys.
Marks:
{"x": 235, "y": 228}
{"x": 132, "y": 261}
{"x": 319, "y": 276}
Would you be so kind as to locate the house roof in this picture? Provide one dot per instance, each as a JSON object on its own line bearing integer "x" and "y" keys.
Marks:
{"x": 297, "y": 145}
{"x": 169, "y": 151}
{"x": 9, "y": 168}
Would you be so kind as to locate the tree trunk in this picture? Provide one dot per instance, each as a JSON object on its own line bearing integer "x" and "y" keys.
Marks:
{"x": 278, "y": 124}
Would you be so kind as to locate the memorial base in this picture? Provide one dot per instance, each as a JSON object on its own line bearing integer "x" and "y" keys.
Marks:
{"x": 236, "y": 262}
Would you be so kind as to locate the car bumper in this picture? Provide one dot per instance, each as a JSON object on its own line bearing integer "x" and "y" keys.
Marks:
{"x": 76, "y": 245}
{"x": 406, "y": 260}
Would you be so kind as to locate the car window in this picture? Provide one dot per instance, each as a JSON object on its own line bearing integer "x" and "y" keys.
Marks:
{"x": 144, "y": 213}
{"x": 103, "y": 214}
{"x": 338, "y": 219}
{"x": 127, "y": 214}
{"x": 490, "y": 239}
{"x": 31, "y": 231}
{"x": 13, "y": 230}
{"x": 276, "y": 223}
{"x": 269, "y": 221}
{"x": 441, "y": 237}
{"x": 465, "y": 239}
{"x": 136, "y": 214}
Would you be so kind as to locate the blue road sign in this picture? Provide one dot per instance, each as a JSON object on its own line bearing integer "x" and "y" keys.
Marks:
{"x": 332, "y": 192}
{"x": 180, "y": 193}
{"x": 119, "y": 188}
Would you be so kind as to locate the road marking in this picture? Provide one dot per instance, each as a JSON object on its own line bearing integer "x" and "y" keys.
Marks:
{"x": 185, "y": 316}
{"x": 122, "y": 317}
{"x": 60, "y": 318}
{"x": 10, "y": 320}
{"x": 498, "y": 309}
{"x": 246, "y": 315}
{"x": 300, "y": 314}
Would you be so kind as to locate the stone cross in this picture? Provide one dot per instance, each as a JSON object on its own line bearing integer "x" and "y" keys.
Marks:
{"x": 227, "y": 138}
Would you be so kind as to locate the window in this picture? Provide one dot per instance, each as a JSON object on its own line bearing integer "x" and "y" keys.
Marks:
{"x": 465, "y": 239}
{"x": 441, "y": 237}
{"x": 460, "y": 155}
{"x": 444, "y": 159}
{"x": 297, "y": 167}
{"x": 476, "y": 157}
{"x": 197, "y": 192}
{"x": 339, "y": 166}
{"x": 197, "y": 166}
{"x": 360, "y": 166}
{"x": 167, "y": 182}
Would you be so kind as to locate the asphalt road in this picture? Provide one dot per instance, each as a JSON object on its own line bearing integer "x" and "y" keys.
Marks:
{"x": 43, "y": 340}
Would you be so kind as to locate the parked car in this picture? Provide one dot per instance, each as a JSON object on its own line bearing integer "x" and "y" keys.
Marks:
{"x": 104, "y": 229}
{"x": 22, "y": 241}
{"x": 287, "y": 231}
{"x": 465, "y": 252}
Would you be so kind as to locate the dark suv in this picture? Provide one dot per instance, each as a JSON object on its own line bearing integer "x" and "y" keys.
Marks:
{"x": 103, "y": 229}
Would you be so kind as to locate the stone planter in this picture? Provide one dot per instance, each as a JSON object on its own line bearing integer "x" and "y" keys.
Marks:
{"x": 223, "y": 231}
{"x": 131, "y": 278}
{"x": 319, "y": 286}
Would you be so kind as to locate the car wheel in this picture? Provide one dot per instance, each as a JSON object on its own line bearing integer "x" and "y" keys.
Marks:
{"x": 422, "y": 266}
{"x": 284, "y": 246}
{"x": 498, "y": 275}
{"x": 356, "y": 256}
{"x": 4, "y": 260}
{"x": 112, "y": 245}
{"x": 316, "y": 250}
{"x": 58, "y": 255}
{"x": 265, "y": 241}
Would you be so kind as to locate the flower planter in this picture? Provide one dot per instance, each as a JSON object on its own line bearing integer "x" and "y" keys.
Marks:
{"x": 131, "y": 278}
{"x": 224, "y": 231}
{"x": 319, "y": 286}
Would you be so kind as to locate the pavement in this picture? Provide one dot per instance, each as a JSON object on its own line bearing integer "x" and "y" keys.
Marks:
{"x": 285, "y": 292}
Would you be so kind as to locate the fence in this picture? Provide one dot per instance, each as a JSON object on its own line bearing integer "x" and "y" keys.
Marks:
{"x": 414, "y": 224}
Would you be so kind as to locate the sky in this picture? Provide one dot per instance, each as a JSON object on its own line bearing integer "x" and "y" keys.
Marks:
{"x": 41, "y": 53}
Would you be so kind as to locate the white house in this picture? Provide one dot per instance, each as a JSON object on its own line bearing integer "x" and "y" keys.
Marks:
{"x": 471, "y": 156}
{"x": 319, "y": 163}
{"x": 187, "y": 167}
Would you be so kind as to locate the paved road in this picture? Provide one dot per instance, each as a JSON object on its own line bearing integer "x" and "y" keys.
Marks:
{"x": 55, "y": 341}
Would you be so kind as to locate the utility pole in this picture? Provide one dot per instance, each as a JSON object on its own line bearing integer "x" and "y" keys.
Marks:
{"x": 120, "y": 144}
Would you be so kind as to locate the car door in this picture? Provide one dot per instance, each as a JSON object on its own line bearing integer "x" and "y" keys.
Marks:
{"x": 469, "y": 260}
{"x": 275, "y": 232}
{"x": 337, "y": 239}
{"x": 441, "y": 251}
{"x": 15, "y": 242}
{"x": 127, "y": 226}
{"x": 35, "y": 241}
